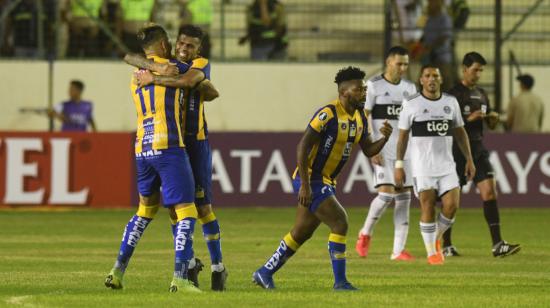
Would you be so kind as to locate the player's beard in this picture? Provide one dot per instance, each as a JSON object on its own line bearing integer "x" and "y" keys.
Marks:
{"x": 358, "y": 104}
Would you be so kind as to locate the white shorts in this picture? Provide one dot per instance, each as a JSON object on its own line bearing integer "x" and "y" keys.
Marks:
{"x": 441, "y": 184}
{"x": 383, "y": 175}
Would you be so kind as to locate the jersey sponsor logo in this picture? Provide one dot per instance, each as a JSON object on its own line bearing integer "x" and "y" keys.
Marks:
{"x": 432, "y": 128}
{"x": 390, "y": 112}
{"x": 347, "y": 149}
{"x": 328, "y": 145}
{"x": 150, "y": 153}
{"x": 352, "y": 130}
{"x": 148, "y": 131}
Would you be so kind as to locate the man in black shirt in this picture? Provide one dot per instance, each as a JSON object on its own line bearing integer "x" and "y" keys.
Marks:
{"x": 475, "y": 108}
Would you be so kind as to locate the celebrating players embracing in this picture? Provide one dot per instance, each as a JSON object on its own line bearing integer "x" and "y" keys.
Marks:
{"x": 196, "y": 81}
{"x": 161, "y": 160}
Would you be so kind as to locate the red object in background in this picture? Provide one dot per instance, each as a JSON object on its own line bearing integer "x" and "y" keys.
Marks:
{"x": 76, "y": 169}
{"x": 249, "y": 169}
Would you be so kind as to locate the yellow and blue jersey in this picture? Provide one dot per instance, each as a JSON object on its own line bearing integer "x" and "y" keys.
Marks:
{"x": 159, "y": 114}
{"x": 195, "y": 122}
{"x": 339, "y": 132}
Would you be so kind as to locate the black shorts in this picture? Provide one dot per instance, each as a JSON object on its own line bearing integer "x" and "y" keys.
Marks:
{"x": 484, "y": 170}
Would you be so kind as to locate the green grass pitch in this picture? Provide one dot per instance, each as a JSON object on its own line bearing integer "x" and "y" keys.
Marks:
{"x": 59, "y": 259}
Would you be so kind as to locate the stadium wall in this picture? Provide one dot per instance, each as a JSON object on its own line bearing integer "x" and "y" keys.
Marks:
{"x": 249, "y": 169}
{"x": 254, "y": 97}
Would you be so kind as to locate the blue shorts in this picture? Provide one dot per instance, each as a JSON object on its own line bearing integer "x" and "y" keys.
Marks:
{"x": 319, "y": 191}
{"x": 170, "y": 169}
{"x": 200, "y": 156}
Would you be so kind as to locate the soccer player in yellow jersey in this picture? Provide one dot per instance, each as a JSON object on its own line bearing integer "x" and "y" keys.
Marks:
{"x": 161, "y": 160}
{"x": 322, "y": 153}
{"x": 195, "y": 136}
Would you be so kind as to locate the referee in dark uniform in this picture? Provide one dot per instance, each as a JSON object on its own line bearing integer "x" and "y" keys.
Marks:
{"x": 475, "y": 108}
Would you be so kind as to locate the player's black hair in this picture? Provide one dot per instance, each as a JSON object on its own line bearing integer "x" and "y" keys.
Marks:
{"x": 78, "y": 84}
{"x": 397, "y": 50}
{"x": 192, "y": 31}
{"x": 349, "y": 73}
{"x": 429, "y": 65}
{"x": 150, "y": 35}
{"x": 473, "y": 57}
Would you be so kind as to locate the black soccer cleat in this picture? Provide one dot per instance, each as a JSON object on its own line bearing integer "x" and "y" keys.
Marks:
{"x": 450, "y": 251}
{"x": 218, "y": 280}
{"x": 193, "y": 273}
{"x": 503, "y": 249}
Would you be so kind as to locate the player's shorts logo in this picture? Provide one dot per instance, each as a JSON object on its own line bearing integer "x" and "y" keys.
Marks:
{"x": 323, "y": 116}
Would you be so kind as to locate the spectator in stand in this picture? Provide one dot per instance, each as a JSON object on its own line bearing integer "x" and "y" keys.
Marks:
{"x": 437, "y": 42}
{"x": 83, "y": 28}
{"x": 21, "y": 33}
{"x": 459, "y": 12}
{"x": 168, "y": 13}
{"x": 526, "y": 110}
{"x": 111, "y": 16}
{"x": 135, "y": 13}
{"x": 408, "y": 13}
{"x": 199, "y": 13}
{"x": 75, "y": 114}
{"x": 266, "y": 30}
{"x": 61, "y": 29}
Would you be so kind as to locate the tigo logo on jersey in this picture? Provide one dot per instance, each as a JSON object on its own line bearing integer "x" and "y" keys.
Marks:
{"x": 441, "y": 128}
{"x": 394, "y": 110}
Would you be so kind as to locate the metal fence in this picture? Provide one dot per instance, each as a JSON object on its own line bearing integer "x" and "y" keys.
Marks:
{"x": 321, "y": 30}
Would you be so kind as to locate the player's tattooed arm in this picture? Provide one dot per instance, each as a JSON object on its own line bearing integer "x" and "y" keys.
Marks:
{"x": 399, "y": 172}
{"x": 371, "y": 148}
{"x": 208, "y": 90}
{"x": 137, "y": 60}
{"x": 463, "y": 142}
{"x": 189, "y": 80}
{"x": 309, "y": 139}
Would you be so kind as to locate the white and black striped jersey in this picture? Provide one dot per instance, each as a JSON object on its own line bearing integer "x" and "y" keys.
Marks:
{"x": 384, "y": 100}
{"x": 431, "y": 124}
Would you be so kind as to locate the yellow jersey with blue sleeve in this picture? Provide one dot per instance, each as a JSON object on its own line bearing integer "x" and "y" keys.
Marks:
{"x": 159, "y": 114}
{"x": 339, "y": 132}
{"x": 195, "y": 121}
